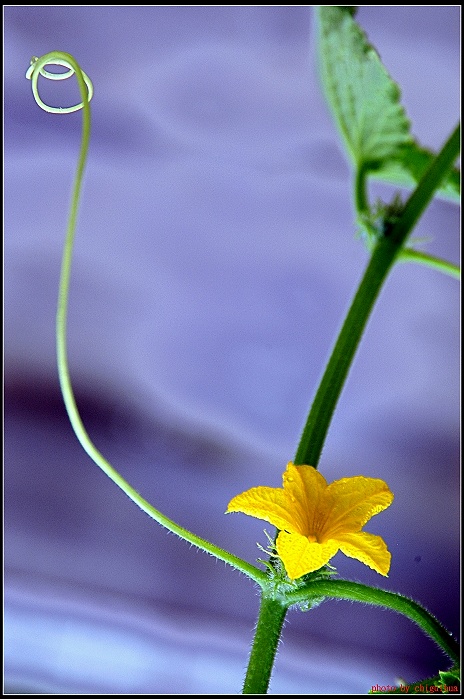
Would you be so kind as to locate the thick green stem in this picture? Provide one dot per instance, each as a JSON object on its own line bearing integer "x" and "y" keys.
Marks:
{"x": 309, "y": 450}
{"x": 270, "y": 622}
{"x": 317, "y": 425}
{"x": 385, "y": 252}
{"x": 345, "y": 589}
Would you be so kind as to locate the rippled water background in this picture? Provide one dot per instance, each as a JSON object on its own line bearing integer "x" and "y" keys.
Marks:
{"x": 214, "y": 263}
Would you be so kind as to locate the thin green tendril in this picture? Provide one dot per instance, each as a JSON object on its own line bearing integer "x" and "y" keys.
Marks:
{"x": 34, "y": 71}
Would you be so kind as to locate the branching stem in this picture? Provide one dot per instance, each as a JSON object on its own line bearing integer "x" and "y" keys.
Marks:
{"x": 385, "y": 253}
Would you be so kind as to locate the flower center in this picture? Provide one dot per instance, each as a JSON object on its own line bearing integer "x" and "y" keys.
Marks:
{"x": 312, "y": 538}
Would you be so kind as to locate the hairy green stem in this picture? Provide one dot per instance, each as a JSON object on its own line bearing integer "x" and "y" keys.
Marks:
{"x": 270, "y": 623}
{"x": 312, "y": 440}
{"x": 345, "y": 589}
{"x": 37, "y": 65}
{"x": 384, "y": 254}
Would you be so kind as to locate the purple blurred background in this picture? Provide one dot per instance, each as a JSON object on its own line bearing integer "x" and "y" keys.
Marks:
{"x": 214, "y": 263}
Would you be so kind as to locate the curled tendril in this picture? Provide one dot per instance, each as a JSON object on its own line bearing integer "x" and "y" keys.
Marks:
{"x": 37, "y": 68}
{"x": 55, "y": 58}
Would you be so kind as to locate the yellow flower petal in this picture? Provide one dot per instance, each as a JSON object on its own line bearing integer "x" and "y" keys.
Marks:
{"x": 370, "y": 549}
{"x": 271, "y": 504}
{"x": 352, "y": 502}
{"x": 316, "y": 520}
{"x": 306, "y": 488}
{"x": 300, "y": 556}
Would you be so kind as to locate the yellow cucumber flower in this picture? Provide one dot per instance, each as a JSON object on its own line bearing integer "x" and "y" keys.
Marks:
{"x": 317, "y": 520}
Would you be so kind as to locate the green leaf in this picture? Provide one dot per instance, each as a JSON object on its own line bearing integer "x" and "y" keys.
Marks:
{"x": 363, "y": 98}
{"x": 451, "y": 678}
{"x": 408, "y": 168}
